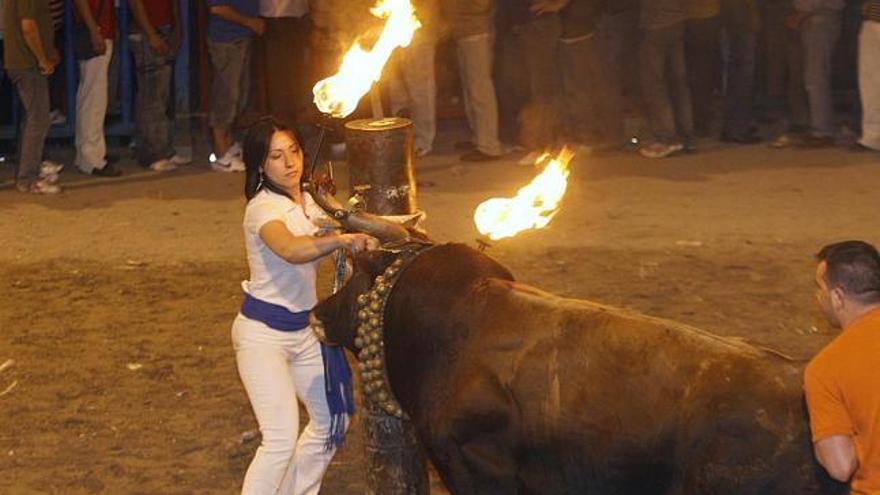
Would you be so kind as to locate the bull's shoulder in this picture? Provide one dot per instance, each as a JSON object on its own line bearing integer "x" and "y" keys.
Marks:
{"x": 455, "y": 263}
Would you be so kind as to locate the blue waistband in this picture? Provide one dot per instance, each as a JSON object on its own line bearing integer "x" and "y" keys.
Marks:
{"x": 337, "y": 375}
{"x": 273, "y": 315}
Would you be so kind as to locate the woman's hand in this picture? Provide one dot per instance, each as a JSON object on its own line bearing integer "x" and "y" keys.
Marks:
{"x": 357, "y": 242}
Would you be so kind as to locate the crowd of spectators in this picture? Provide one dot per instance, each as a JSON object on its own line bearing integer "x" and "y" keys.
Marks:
{"x": 533, "y": 73}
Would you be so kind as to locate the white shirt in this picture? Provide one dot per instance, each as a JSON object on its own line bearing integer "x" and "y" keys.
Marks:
{"x": 284, "y": 8}
{"x": 272, "y": 278}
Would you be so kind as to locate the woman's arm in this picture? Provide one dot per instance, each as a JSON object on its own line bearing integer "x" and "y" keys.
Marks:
{"x": 303, "y": 249}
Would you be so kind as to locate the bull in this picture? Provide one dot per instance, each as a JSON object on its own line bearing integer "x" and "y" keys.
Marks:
{"x": 514, "y": 390}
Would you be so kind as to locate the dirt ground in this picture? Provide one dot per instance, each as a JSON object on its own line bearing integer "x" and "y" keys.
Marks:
{"x": 116, "y": 297}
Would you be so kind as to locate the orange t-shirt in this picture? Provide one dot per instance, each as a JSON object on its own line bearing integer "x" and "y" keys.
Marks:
{"x": 842, "y": 385}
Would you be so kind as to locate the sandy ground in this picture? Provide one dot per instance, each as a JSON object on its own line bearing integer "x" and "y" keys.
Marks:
{"x": 116, "y": 297}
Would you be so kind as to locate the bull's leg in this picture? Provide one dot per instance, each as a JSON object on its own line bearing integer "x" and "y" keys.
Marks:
{"x": 471, "y": 441}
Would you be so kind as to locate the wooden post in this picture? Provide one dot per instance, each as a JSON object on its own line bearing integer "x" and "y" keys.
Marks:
{"x": 381, "y": 174}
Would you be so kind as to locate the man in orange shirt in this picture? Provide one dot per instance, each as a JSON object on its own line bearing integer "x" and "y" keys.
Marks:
{"x": 842, "y": 383}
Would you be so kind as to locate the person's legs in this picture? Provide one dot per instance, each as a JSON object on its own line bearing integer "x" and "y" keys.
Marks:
{"x": 286, "y": 41}
{"x": 819, "y": 34}
{"x": 418, "y": 77}
{"x": 263, "y": 358}
{"x": 580, "y": 69}
{"x": 612, "y": 35}
{"x": 540, "y": 121}
{"x": 511, "y": 84}
{"x": 655, "y": 92}
{"x": 703, "y": 54}
{"x": 869, "y": 83}
{"x": 91, "y": 108}
{"x": 740, "y": 86}
{"x": 680, "y": 91}
{"x": 33, "y": 90}
{"x": 311, "y": 458}
{"x": 228, "y": 60}
{"x": 475, "y": 60}
{"x": 151, "y": 104}
{"x": 796, "y": 93}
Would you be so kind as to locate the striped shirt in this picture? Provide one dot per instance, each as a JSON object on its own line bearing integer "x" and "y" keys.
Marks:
{"x": 56, "y": 10}
{"x": 872, "y": 10}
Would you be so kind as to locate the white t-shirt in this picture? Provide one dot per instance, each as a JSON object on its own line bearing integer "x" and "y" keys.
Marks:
{"x": 273, "y": 279}
{"x": 284, "y": 8}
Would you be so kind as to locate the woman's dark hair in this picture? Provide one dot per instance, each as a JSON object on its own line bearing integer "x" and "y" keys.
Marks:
{"x": 855, "y": 267}
{"x": 256, "y": 150}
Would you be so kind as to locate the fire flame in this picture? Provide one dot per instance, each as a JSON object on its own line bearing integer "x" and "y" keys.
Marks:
{"x": 338, "y": 95}
{"x": 534, "y": 205}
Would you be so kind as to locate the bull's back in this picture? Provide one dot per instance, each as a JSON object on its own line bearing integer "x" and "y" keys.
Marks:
{"x": 638, "y": 404}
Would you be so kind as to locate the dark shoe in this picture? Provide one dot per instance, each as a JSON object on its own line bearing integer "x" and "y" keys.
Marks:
{"x": 745, "y": 139}
{"x": 814, "y": 142}
{"x": 465, "y": 146}
{"x": 478, "y": 156}
{"x": 858, "y": 147}
{"x": 108, "y": 171}
{"x": 112, "y": 159}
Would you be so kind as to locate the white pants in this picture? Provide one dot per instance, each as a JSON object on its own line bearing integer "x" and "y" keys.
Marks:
{"x": 276, "y": 368}
{"x": 869, "y": 83}
{"x": 475, "y": 54}
{"x": 413, "y": 87}
{"x": 91, "y": 108}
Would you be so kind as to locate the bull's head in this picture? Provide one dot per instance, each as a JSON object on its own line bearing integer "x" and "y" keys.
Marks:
{"x": 335, "y": 318}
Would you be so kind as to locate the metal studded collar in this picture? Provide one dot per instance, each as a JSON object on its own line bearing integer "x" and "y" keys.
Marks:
{"x": 369, "y": 339}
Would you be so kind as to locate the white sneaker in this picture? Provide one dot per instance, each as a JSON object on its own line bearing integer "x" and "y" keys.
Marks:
{"x": 235, "y": 149}
{"x": 529, "y": 159}
{"x": 56, "y": 117}
{"x": 228, "y": 163}
{"x": 163, "y": 165}
{"x": 49, "y": 171}
{"x": 179, "y": 159}
{"x": 41, "y": 186}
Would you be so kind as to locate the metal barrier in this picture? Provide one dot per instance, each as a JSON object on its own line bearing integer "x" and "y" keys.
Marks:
{"x": 124, "y": 125}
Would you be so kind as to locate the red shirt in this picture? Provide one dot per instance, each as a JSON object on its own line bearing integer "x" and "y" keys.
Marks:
{"x": 158, "y": 12}
{"x": 107, "y": 22}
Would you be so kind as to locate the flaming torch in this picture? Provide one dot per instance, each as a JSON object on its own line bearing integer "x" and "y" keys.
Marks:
{"x": 338, "y": 95}
{"x": 533, "y": 207}
{"x": 379, "y": 150}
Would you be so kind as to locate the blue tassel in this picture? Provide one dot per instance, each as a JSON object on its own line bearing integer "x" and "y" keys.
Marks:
{"x": 338, "y": 388}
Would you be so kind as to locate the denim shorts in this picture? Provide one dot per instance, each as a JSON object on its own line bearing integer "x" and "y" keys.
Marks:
{"x": 230, "y": 90}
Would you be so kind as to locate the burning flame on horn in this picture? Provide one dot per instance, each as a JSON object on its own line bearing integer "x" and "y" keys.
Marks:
{"x": 533, "y": 206}
{"x": 338, "y": 95}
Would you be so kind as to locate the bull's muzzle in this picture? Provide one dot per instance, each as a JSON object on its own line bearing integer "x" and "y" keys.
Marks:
{"x": 317, "y": 327}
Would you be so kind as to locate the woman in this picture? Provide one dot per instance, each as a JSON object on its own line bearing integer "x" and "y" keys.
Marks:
{"x": 278, "y": 356}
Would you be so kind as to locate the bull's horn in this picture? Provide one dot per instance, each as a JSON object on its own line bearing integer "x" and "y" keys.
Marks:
{"x": 358, "y": 221}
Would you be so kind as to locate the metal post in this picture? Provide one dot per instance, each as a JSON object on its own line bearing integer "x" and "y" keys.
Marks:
{"x": 380, "y": 164}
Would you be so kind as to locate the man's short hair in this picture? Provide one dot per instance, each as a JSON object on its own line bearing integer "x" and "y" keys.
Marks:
{"x": 853, "y": 266}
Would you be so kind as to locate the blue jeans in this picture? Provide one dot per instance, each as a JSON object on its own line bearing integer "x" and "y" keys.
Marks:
{"x": 153, "y": 125}
{"x": 819, "y": 34}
